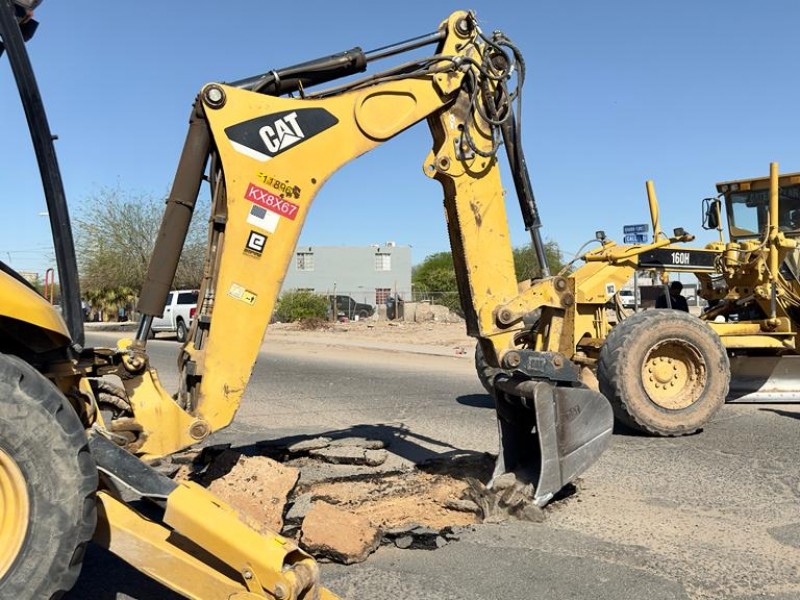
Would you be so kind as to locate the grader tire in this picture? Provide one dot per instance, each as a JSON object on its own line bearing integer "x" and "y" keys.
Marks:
{"x": 485, "y": 372}
{"x": 665, "y": 372}
{"x": 47, "y": 486}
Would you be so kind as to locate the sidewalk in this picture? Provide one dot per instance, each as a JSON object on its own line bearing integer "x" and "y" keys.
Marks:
{"x": 110, "y": 326}
{"x": 448, "y": 344}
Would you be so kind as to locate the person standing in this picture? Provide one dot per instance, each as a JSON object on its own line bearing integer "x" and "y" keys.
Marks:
{"x": 676, "y": 300}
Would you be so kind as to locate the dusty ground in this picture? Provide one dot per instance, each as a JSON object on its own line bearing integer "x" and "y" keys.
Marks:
{"x": 452, "y": 335}
{"x": 706, "y": 517}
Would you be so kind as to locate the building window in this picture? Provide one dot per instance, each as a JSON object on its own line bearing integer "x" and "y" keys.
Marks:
{"x": 382, "y": 294}
{"x": 383, "y": 261}
{"x": 305, "y": 261}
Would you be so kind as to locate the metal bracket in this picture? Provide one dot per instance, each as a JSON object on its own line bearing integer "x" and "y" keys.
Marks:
{"x": 552, "y": 366}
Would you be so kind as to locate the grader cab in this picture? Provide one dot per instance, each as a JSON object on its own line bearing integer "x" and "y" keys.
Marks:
{"x": 755, "y": 296}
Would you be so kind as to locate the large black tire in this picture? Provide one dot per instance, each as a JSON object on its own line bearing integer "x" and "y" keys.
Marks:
{"x": 43, "y": 441}
{"x": 485, "y": 372}
{"x": 665, "y": 372}
{"x": 180, "y": 331}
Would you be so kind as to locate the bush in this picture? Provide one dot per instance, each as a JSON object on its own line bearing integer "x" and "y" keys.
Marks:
{"x": 298, "y": 305}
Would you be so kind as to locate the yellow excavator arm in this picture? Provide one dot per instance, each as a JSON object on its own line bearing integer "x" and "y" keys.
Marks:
{"x": 269, "y": 156}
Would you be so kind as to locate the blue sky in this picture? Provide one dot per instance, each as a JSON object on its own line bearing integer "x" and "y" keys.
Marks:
{"x": 685, "y": 93}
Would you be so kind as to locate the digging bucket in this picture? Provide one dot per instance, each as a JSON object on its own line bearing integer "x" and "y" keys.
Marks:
{"x": 549, "y": 433}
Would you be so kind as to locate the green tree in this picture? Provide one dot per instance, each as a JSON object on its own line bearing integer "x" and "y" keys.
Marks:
{"x": 434, "y": 278}
{"x": 106, "y": 302}
{"x": 115, "y": 232}
{"x": 526, "y": 266}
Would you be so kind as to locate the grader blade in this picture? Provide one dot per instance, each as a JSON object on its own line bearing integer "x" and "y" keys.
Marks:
{"x": 549, "y": 434}
{"x": 764, "y": 379}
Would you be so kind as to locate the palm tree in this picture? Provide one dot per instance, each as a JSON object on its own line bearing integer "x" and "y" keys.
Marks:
{"x": 108, "y": 301}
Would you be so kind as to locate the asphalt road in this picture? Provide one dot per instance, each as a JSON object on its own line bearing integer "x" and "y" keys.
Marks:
{"x": 714, "y": 515}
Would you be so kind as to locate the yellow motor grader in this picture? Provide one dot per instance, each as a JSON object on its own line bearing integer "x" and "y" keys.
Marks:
{"x": 667, "y": 372}
{"x": 265, "y": 145}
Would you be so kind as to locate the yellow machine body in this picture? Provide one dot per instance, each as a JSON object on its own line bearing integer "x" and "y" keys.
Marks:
{"x": 24, "y": 305}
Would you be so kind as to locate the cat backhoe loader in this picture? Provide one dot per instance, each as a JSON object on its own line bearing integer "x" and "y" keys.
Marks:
{"x": 74, "y": 448}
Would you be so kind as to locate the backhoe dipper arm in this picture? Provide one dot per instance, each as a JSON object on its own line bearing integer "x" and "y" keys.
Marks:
{"x": 269, "y": 158}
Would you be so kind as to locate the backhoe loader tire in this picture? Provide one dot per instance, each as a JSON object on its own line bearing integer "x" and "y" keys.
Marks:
{"x": 665, "y": 372}
{"x": 44, "y": 449}
{"x": 485, "y": 372}
{"x": 180, "y": 331}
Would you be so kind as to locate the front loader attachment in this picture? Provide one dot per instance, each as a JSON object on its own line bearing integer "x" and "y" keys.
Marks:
{"x": 550, "y": 432}
{"x": 192, "y": 542}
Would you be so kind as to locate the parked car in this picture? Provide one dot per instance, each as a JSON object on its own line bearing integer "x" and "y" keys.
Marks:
{"x": 628, "y": 299}
{"x": 347, "y": 307}
{"x": 178, "y": 314}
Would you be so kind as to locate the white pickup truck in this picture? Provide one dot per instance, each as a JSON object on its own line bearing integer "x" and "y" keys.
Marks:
{"x": 178, "y": 313}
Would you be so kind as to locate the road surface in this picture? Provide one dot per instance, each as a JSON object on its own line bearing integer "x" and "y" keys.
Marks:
{"x": 714, "y": 515}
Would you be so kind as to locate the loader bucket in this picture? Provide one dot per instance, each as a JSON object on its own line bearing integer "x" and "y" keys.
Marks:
{"x": 549, "y": 434}
{"x": 764, "y": 379}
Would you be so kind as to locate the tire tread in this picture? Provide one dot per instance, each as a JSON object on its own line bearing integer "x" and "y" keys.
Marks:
{"x": 611, "y": 366}
{"x": 65, "y": 567}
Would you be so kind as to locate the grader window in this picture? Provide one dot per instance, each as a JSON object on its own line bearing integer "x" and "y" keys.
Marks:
{"x": 789, "y": 209}
{"x": 749, "y": 212}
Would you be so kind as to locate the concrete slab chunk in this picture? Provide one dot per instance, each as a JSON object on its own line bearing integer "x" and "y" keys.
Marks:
{"x": 359, "y": 443}
{"x": 308, "y": 445}
{"x": 257, "y": 487}
{"x": 332, "y": 533}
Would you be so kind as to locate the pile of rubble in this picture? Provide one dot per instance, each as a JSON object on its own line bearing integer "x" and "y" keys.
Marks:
{"x": 340, "y": 499}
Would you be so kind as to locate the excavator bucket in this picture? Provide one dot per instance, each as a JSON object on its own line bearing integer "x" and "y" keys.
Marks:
{"x": 549, "y": 433}
{"x": 764, "y": 379}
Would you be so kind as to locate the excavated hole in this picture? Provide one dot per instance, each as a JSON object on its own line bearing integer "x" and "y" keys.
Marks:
{"x": 277, "y": 486}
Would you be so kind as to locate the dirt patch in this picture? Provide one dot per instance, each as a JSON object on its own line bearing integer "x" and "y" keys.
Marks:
{"x": 338, "y": 535}
{"x": 397, "y": 500}
{"x": 452, "y": 335}
{"x": 257, "y": 486}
